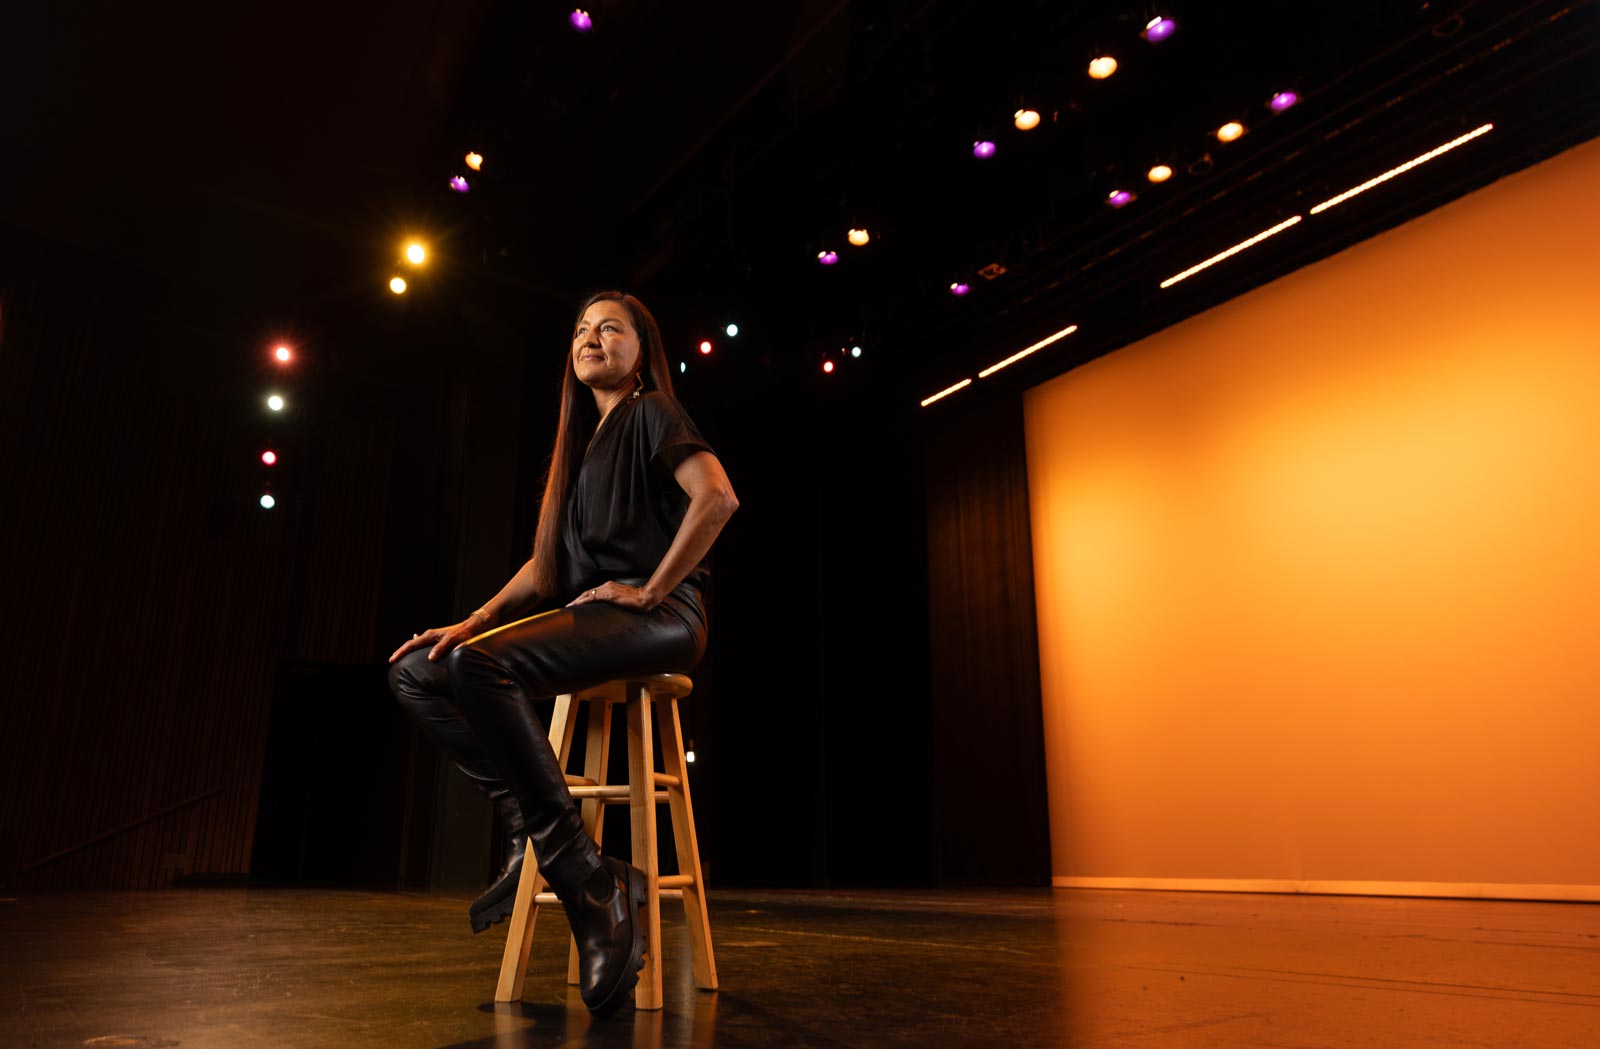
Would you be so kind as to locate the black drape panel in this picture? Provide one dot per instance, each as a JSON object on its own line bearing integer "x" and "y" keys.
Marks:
{"x": 139, "y": 584}
{"x": 987, "y": 720}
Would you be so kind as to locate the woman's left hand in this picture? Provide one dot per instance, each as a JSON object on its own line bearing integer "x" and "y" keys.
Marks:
{"x": 615, "y": 593}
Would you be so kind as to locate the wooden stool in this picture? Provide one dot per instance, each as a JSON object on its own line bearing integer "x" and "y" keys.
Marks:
{"x": 642, "y": 794}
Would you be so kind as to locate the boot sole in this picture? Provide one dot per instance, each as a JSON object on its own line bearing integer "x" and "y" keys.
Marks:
{"x": 639, "y": 895}
{"x": 493, "y": 915}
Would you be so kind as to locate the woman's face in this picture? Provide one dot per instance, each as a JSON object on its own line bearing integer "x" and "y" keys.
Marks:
{"x": 605, "y": 346}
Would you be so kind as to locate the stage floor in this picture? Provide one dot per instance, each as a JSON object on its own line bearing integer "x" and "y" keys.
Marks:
{"x": 321, "y": 968}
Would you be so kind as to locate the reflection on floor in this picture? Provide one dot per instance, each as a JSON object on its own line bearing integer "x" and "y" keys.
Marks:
{"x": 321, "y": 968}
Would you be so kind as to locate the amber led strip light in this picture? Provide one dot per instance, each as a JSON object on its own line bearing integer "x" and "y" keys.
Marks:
{"x": 1041, "y": 344}
{"x": 1403, "y": 168}
{"x": 946, "y": 392}
{"x": 1213, "y": 260}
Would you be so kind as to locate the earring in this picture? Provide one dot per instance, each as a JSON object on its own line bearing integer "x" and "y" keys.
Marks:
{"x": 638, "y": 383}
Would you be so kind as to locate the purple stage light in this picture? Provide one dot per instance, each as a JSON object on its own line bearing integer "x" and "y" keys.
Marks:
{"x": 958, "y": 289}
{"x": 827, "y": 258}
{"x": 459, "y": 184}
{"x": 1119, "y": 197}
{"x": 580, "y": 20}
{"x": 1159, "y": 29}
{"x": 983, "y": 149}
{"x": 1282, "y": 100}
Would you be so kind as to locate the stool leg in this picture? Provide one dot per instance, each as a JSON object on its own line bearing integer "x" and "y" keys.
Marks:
{"x": 682, "y": 809}
{"x": 642, "y": 806}
{"x": 683, "y": 836}
{"x": 519, "y": 933}
{"x": 596, "y": 760}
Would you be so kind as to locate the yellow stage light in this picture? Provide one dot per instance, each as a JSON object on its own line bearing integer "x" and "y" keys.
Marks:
{"x": 1160, "y": 173}
{"x": 859, "y": 237}
{"x": 397, "y": 285}
{"x": 1102, "y": 67}
{"x": 415, "y": 253}
{"x": 474, "y": 161}
{"x": 1230, "y": 131}
{"x": 1026, "y": 119}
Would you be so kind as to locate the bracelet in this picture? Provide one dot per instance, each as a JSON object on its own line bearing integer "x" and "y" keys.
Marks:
{"x": 481, "y": 614}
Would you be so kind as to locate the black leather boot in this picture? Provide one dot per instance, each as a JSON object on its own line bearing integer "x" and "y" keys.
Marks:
{"x": 498, "y": 900}
{"x": 607, "y": 918}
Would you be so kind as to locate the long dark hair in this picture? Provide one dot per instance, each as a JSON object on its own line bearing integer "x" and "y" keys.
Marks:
{"x": 579, "y": 417}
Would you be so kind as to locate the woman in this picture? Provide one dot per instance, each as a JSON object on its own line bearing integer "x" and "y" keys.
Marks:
{"x": 632, "y": 503}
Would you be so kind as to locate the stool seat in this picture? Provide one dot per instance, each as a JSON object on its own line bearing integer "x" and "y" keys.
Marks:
{"x": 648, "y": 698}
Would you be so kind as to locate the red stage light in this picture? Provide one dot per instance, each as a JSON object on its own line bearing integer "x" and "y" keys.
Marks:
{"x": 827, "y": 367}
{"x": 705, "y": 346}
{"x": 269, "y": 457}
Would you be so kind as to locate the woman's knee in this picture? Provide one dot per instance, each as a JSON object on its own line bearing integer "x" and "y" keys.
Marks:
{"x": 465, "y": 662}
{"x": 414, "y": 676}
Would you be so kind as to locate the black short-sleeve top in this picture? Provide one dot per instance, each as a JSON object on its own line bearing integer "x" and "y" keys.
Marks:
{"x": 626, "y": 505}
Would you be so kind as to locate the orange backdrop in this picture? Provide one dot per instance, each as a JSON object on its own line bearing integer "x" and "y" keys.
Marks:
{"x": 1318, "y": 571}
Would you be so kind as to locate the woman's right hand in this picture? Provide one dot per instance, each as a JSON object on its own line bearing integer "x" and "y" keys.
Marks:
{"x": 442, "y": 638}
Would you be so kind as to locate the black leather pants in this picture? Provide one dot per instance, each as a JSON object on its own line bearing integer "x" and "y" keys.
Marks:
{"x": 476, "y": 703}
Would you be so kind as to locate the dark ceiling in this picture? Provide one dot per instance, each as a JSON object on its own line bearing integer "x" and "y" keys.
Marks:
{"x": 701, "y": 154}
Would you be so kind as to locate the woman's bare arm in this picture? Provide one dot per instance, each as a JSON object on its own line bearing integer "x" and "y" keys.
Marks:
{"x": 519, "y": 592}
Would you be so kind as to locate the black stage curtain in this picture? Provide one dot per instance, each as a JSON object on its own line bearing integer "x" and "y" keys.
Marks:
{"x": 987, "y": 722}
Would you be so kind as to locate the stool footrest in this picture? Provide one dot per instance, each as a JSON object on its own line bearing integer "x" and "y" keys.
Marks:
{"x": 610, "y": 795}
{"x": 662, "y": 780}
{"x": 550, "y": 899}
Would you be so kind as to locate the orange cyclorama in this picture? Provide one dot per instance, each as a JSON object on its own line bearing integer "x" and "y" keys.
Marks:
{"x": 1318, "y": 589}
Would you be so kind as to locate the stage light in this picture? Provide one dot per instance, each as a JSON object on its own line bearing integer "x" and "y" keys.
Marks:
{"x": 580, "y": 20}
{"x": 416, "y": 253}
{"x": 1041, "y": 344}
{"x": 275, "y": 403}
{"x": 459, "y": 184}
{"x": 475, "y": 161}
{"x": 282, "y": 353}
{"x": 1230, "y": 131}
{"x": 1407, "y": 166}
{"x": 267, "y": 502}
{"x": 397, "y": 285}
{"x": 1119, "y": 197}
{"x": 859, "y": 237}
{"x": 1102, "y": 67}
{"x": 269, "y": 457}
{"x": 1158, "y": 29}
{"x": 946, "y": 392}
{"x": 1258, "y": 238}
{"x": 827, "y": 258}
{"x": 983, "y": 149}
{"x": 1159, "y": 173}
{"x": 827, "y": 367}
{"x": 1025, "y": 119}
{"x": 1282, "y": 100}
{"x": 732, "y": 330}
{"x": 959, "y": 289}
{"x": 682, "y": 367}
{"x": 705, "y": 345}
{"x": 688, "y": 753}
{"x": 855, "y": 351}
